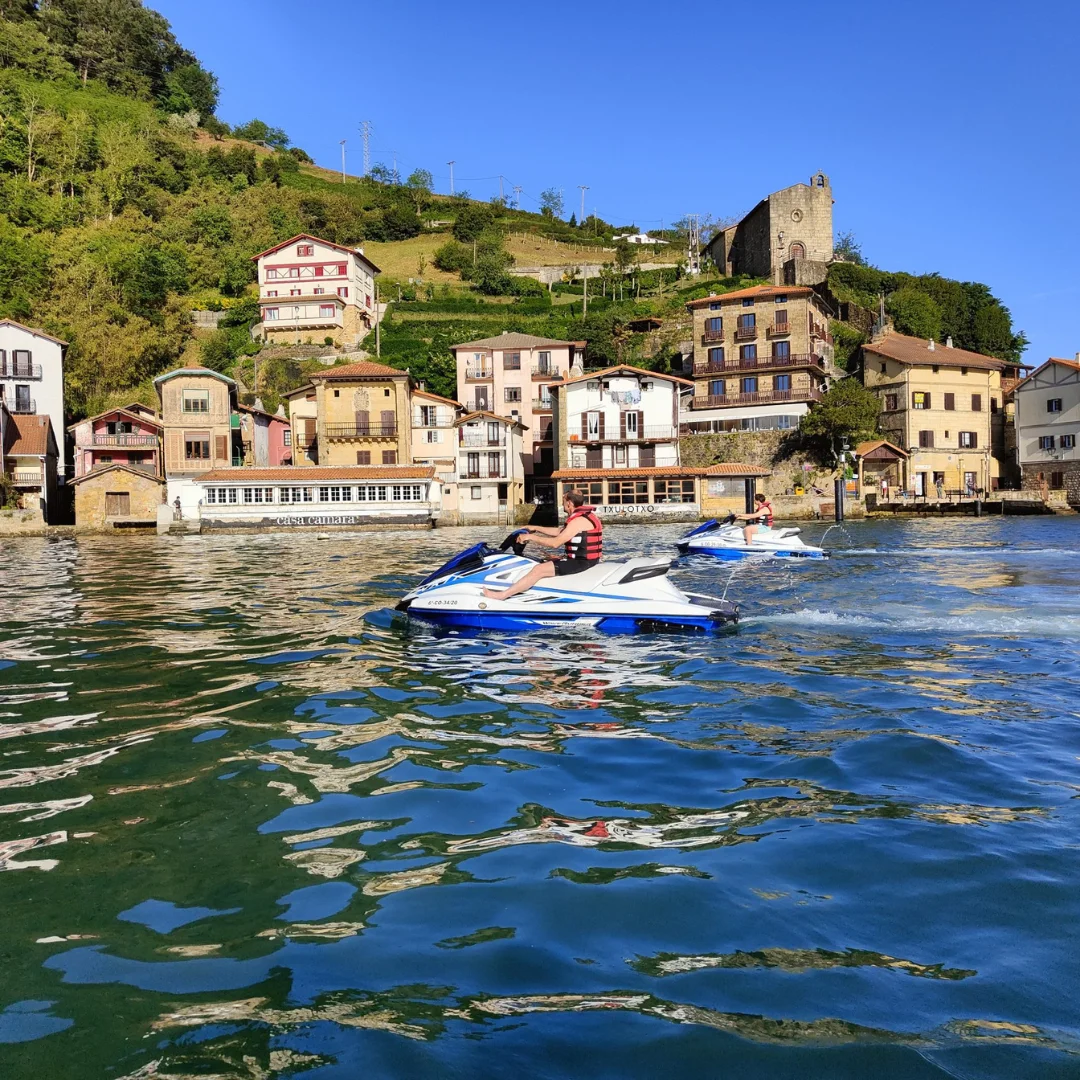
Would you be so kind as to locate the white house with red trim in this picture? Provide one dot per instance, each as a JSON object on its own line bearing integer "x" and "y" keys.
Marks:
{"x": 312, "y": 289}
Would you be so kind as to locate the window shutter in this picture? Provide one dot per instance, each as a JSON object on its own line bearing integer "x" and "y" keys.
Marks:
{"x": 221, "y": 448}
{"x": 976, "y": 402}
{"x": 927, "y": 400}
{"x": 950, "y": 401}
{"x": 974, "y": 440}
{"x": 387, "y": 419}
{"x": 641, "y": 424}
{"x": 601, "y": 427}
{"x": 584, "y": 426}
{"x": 362, "y": 421}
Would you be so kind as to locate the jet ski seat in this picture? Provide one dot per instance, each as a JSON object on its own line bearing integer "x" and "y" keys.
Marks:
{"x": 607, "y": 574}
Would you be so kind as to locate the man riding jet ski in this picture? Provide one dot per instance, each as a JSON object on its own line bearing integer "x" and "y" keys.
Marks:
{"x": 485, "y": 588}
{"x": 726, "y": 540}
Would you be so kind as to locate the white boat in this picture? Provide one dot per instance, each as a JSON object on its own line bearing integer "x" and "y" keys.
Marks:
{"x": 725, "y": 540}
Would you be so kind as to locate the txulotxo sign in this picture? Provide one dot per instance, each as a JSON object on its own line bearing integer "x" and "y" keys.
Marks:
{"x": 647, "y": 510}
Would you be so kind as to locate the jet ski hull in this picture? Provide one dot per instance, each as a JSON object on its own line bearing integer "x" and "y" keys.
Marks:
{"x": 725, "y": 541}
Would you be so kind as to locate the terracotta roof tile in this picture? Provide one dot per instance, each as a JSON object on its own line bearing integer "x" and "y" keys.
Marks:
{"x": 735, "y": 468}
{"x": 316, "y": 474}
{"x": 511, "y": 341}
{"x": 317, "y": 240}
{"x": 917, "y": 351}
{"x": 361, "y": 369}
{"x": 28, "y": 434}
{"x": 118, "y": 466}
{"x": 603, "y": 373}
{"x": 865, "y": 448}
{"x": 488, "y": 416}
{"x": 756, "y": 292}
{"x": 150, "y": 419}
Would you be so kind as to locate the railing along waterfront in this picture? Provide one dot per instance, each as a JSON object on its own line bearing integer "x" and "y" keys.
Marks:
{"x": 707, "y": 367}
{"x": 360, "y": 431}
{"x": 757, "y": 397}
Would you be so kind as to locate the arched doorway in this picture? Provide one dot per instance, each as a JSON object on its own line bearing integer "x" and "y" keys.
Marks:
{"x": 797, "y": 251}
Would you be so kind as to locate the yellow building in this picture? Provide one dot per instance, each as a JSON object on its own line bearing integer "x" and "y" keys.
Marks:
{"x": 117, "y": 496}
{"x": 940, "y": 404}
{"x": 360, "y": 417}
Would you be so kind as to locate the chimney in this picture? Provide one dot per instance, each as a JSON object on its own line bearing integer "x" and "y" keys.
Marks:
{"x": 948, "y": 342}
{"x": 281, "y": 411}
{"x": 259, "y": 404}
{"x": 930, "y": 345}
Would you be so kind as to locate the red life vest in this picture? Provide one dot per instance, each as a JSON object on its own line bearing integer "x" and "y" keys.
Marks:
{"x": 767, "y": 507}
{"x": 586, "y": 545}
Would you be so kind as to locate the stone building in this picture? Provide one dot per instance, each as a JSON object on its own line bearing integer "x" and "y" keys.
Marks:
{"x": 1047, "y": 426}
{"x": 117, "y": 496}
{"x": 787, "y": 237}
{"x": 942, "y": 405}
{"x": 761, "y": 357}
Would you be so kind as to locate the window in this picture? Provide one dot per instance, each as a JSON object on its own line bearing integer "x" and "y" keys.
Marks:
{"x": 232, "y": 496}
{"x": 117, "y": 503}
{"x": 716, "y": 356}
{"x": 294, "y": 292}
{"x": 337, "y": 393}
{"x": 715, "y": 325}
{"x": 389, "y": 457}
{"x": 1057, "y": 481}
{"x": 303, "y": 250}
{"x": 1053, "y": 404}
{"x": 433, "y": 437}
{"x": 748, "y": 385}
{"x": 318, "y": 290}
{"x": 512, "y": 361}
{"x": 288, "y": 436}
{"x": 628, "y": 491}
{"x": 476, "y": 492}
{"x": 324, "y": 494}
{"x": 1046, "y": 442}
{"x": 969, "y": 440}
{"x": 747, "y": 303}
{"x": 248, "y": 494}
{"x": 512, "y": 393}
{"x": 715, "y": 306}
{"x": 271, "y": 292}
{"x": 781, "y": 382}
{"x": 934, "y": 368}
{"x": 993, "y": 405}
{"x": 196, "y": 401}
{"x": 1068, "y": 442}
{"x": 716, "y": 387}
{"x": 884, "y": 367}
{"x": 890, "y": 402}
{"x": 326, "y": 311}
{"x": 747, "y": 322}
{"x": 271, "y": 314}
{"x": 363, "y": 457}
{"x": 781, "y": 350}
{"x": 197, "y": 449}
{"x": 747, "y": 352}
{"x": 592, "y": 425}
{"x": 926, "y": 440}
{"x": 963, "y": 371}
{"x": 976, "y": 402}
{"x": 343, "y": 292}
{"x": 920, "y": 400}
{"x": 630, "y": 424}
{"x": 407, "y": 493}
{"x": 674, "y": 491}
{"x": 620, "y": 454}
{"x": 545, "y": 360}
{"x": 950, "y": 402}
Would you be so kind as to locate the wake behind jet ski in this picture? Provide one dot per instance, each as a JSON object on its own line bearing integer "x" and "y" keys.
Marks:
{"x": 634, "y": 596}
{"x": 726, "y": 540}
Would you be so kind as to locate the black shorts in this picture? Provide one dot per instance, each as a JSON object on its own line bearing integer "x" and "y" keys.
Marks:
{"x": 572, "y": 566}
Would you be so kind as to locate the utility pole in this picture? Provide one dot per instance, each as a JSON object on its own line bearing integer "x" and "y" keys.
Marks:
{"x": 451, "y": 164}
{"x": 693, "y": 244}
{"x": 517, "y": 198}
{"x": 343, "y": 161}
{"x": 500, "y": 187}
{"x": 584, "y": 188}
{"x": 365, "y": 131}
{"x": 394, "y": 152}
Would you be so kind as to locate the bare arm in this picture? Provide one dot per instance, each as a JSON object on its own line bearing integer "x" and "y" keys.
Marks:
{"x": 559, "y": 538}
{"x": 543, "y": 530}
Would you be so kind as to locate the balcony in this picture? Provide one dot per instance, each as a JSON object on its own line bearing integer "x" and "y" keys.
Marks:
{"x": 480, "y": 374}
{"x": 443, "y": 421}
{"x": 647, "y": 433}
{"x": 483, "y": 474}
{"x": 546, "y": 371}
{"x": 541, "y": 404}
{"x": 125, "y": 440}
{"x": 27, "y": 478}
{"x": 758, "y": 397}
{"x": 792, "y": 360}
{"x": 11, "y": 369}
{"x": 361, "y": 431}
{"x": 780, "y": 329}
{"x": 710, "y": 337}
{"x": 22, "y": 405}
{"x": 1009, "y": 384}
{"x": 477, "y": 439}
{"x": 142, "y": 466}
{"x": 821, "y": 333}
{"x": 745, "y": 333}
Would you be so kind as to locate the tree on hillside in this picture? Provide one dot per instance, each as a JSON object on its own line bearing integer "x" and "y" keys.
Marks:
{"x": 190, "y": 88}
{"x": 551, "y": 203}
{"x": 420, "y": 182}
{"x": 915, "y": 313}
{"x": 847, "y": 248}
{"x": 257, "y": 131}
{"x": 847, "y": 411}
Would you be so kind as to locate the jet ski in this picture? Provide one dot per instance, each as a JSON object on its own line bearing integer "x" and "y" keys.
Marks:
{"x": 724, "y": 540}
{"x": 634, "y": 596}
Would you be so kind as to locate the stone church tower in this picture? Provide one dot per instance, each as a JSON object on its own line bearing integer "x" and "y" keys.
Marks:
{"x": 787, "y": 237}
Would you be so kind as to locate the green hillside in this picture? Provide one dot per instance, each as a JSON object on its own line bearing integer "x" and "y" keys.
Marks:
{"x": 125, "y": 204}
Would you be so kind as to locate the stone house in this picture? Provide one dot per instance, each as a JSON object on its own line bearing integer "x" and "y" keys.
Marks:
{"x": 761, "y": 358}
{"x": 32, "y": 379}
{"x": 943, "y": 406}
{"x": 787, "y": 237}
{"x": 512, "y": 375}
{"x": 1047, "y": 415}
{"x": 312, "y": 289}
{"x": 361, "y": 416}
{"x": 117, "y": 496}
{"x": 29, "y": 456}
{"x": 130, "y": 436}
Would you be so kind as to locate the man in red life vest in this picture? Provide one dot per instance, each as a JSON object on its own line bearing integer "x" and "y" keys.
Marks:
{"x": 582, "y": 536}
{"x": 760, "y": 517}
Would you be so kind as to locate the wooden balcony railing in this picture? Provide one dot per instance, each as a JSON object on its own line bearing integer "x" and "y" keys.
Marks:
{"x": 792, "y": 360}
{"x": 125, "y": 440}
{"x": 710, "y": 337}
{"x": 745, "y": 333}
{"x": 27, "y": 478}
{"x": 757, "y": 397}
{"x": 778, "y": 329}
{"x": 361, "y": 431}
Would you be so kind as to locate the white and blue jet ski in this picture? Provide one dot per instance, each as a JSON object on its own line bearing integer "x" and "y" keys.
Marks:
{"x": 725, "y": 540}
{"x": 634, "y": 596}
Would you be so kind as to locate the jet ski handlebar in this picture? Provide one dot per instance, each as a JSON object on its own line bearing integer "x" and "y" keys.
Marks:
{"x": 512, "y": 541}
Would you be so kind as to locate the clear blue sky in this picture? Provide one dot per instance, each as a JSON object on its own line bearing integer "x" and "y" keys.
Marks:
{"x": 948, "y": 129}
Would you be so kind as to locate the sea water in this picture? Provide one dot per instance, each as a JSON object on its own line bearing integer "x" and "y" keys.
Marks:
{"x": 253, "y": 823}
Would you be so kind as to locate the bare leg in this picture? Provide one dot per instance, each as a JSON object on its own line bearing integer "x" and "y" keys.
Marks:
{"x": 748, "y": 533}
{"x": 537, "y": 573}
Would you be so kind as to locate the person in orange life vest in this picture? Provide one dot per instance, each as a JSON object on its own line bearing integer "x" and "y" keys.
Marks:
{"x": 582, "y": 536}
{"x": 760, "y": 518}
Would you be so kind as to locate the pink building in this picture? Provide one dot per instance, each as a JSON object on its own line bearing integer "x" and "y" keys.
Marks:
{"x": 267, "y": 436}
{"x": 124, "y": 436}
